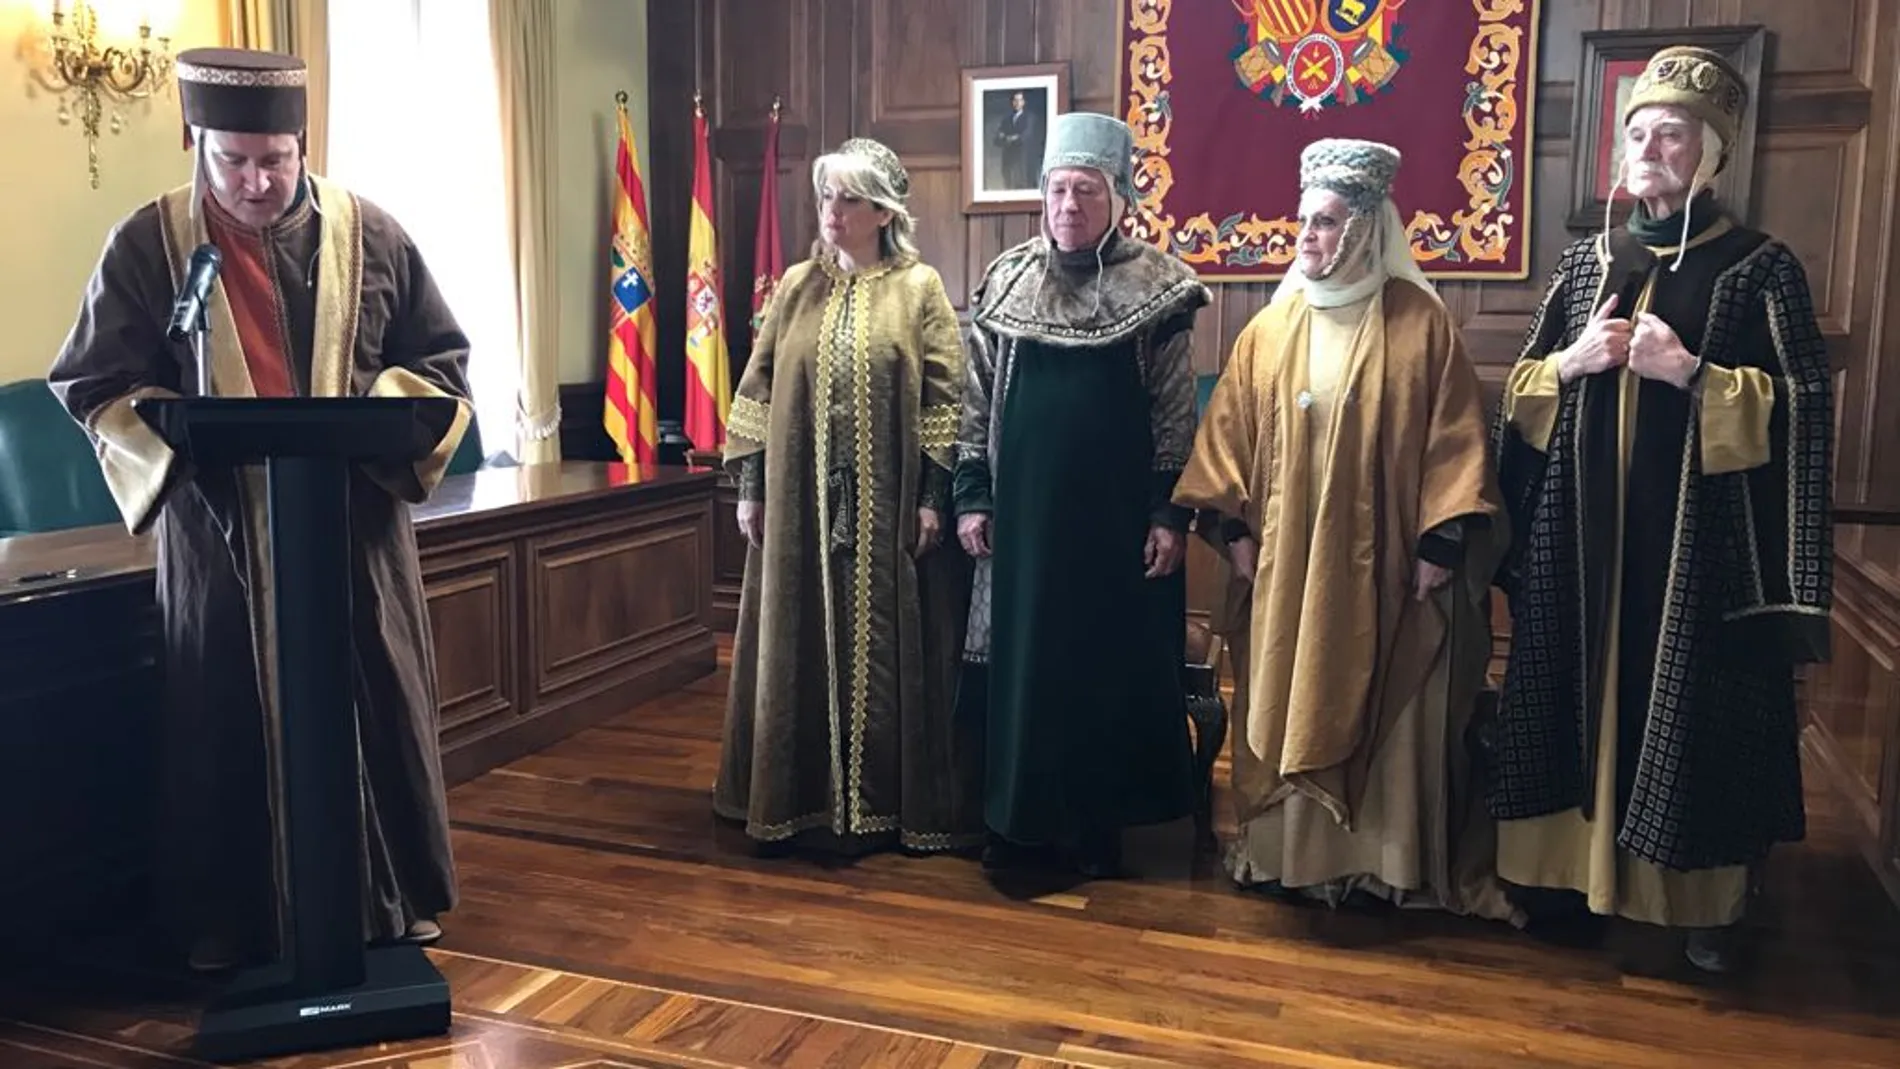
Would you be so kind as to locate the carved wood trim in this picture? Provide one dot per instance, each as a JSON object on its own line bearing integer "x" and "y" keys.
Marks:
{"x": 447, "y": 575}
{"x": 687, "y": 525}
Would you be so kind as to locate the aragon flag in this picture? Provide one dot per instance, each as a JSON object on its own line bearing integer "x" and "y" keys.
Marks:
{"x": 631, "y": 414}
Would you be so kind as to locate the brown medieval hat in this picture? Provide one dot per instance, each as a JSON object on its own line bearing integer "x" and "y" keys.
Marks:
{"x": 241, "y": 90}
{"x": 1696, "y": 80}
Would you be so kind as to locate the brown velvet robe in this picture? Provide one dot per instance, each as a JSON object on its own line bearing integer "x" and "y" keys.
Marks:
{"x": 357, "y": 314}
{"x": 839, "y": 724}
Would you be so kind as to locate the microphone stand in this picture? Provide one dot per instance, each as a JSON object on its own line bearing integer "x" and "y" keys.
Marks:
{"x": 200, "y": 350}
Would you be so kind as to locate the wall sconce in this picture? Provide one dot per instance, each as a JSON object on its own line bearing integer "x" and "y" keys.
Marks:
{"x": 74, "y": 61}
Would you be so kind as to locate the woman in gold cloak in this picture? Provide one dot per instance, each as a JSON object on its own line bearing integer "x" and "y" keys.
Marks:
{"x": 1344, "y": 457}
{"x": 839, "y": 725}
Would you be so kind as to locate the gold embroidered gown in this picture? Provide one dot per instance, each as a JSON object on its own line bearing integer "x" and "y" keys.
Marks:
{"x": 839, "y": 723}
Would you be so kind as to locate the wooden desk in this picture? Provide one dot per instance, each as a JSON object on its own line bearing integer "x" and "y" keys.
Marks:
{"x": 559, "y": 595}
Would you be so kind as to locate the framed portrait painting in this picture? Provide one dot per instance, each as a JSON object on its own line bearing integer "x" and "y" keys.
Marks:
{"x": 1006, "y": 117}
{"x": 1612, "y": 60}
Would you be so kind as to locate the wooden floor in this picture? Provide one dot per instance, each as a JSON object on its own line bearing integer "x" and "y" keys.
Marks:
{"x": 607, "y": 921}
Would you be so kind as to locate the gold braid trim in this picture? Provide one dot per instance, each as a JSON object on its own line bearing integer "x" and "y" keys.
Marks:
{"x": 749, "y": 419}
{"x": 866, "y": 538}
{"x": 937, "y": 427}
{"x": 821, "y": 465}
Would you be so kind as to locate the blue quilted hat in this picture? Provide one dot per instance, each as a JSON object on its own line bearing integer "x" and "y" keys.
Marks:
{"x": 1090, "y": 139}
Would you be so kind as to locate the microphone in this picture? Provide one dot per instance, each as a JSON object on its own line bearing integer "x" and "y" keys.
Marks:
{"x": 188, "y": 311}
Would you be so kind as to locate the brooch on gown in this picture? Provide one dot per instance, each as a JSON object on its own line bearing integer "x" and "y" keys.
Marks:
{"x": 1305, "y": 399}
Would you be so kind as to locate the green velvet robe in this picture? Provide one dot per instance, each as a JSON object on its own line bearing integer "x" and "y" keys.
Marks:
{"x": 1077, "y": 421}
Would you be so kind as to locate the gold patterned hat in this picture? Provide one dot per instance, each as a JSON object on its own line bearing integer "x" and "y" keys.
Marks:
{"x": 881, "y": 159}
{"x": 1696, "y": 80}
{"x": 241, "y": 90}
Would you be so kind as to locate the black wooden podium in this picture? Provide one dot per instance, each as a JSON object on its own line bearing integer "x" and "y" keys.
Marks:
{"x": 329, "y": 989}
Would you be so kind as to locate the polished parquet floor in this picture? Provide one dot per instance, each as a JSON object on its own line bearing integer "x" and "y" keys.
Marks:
{"x": 607, "y": 921}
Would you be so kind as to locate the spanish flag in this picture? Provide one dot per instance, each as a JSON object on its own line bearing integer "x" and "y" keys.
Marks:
{"x": 708, "y": 381}
{"x": 631, "y": 414}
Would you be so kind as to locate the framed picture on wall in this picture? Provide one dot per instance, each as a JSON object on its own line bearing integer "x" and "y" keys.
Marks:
{"x": 1006, "y": 116}
{"x": 1612, "y": 60}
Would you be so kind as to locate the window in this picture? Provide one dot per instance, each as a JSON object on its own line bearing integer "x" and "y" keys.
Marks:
{"x": 415, "y": 127}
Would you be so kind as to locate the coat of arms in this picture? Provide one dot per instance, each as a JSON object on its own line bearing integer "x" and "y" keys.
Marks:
{"x": 1311, "y": 51}
{"x": 702, "y": 302}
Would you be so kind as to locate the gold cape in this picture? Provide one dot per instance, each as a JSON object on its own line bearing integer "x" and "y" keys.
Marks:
{"x": 1340, "y": 641}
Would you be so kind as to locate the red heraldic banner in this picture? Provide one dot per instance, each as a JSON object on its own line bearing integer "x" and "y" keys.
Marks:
{"x": 768, "y": 251}
{"x": 1223, "y": 94}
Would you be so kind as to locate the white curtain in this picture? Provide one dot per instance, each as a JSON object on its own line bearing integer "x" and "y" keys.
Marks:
{"x": 524, "y": 68}
{"x": 414, "y": 127}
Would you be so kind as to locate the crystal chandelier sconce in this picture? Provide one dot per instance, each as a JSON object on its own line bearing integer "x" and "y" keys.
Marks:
{"x": 90, "y": 79}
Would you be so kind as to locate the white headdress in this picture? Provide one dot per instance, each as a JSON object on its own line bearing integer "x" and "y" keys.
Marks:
{"x": 1361, "y": 172}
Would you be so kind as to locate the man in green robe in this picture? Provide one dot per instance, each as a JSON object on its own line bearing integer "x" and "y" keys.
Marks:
{"x": 1078, "y": 415}
{"x": 320, "y": 294}
{"x": 1665, "y": 450}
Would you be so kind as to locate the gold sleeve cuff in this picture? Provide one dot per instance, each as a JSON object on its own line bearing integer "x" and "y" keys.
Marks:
{"x": 423, "y": 476}
{"x": 1735, "y": 407}
{"x": 1530, "y": 399}
{"x": 749, "y": 419}
{"x": 136, "y": 462}
{"x": 937, "y": 428}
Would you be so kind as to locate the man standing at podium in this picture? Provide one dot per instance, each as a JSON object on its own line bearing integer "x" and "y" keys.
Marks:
{"x": 320, "y": 294}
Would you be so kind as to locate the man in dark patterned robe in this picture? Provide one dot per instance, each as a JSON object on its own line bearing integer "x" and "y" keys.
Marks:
{"x": 1078, "y": 416}
{"x": 321, "y": 294}
{"x": 1665, "y": 450}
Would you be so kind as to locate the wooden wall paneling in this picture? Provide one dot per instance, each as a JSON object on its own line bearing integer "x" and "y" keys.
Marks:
{"x": 1853, "y": 709}
{"x": 78, "y": 684}
{"x": 474, "y": 603}
{"x": 570, "y": 609}
{"x": 672, "y": 70}
{"x": 728, "y": 559}
{"x": 1868, "y": 433}
{"x": 1845, "y": 88}
{"x": 604, "y": 595}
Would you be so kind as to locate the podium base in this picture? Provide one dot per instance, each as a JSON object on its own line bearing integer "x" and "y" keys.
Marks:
{"x": 402, "y": 997}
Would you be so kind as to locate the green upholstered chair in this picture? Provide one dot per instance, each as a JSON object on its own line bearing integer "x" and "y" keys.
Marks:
{"x": 468, "y": 455}
{"x": 49, "y": 477}
{"x": 1203, "y": 391}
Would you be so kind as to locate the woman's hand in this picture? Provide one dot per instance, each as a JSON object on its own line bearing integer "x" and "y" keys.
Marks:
{"x": 1428, "y": 579}
{"x": 929, "y": 530}
{"x": 1243, "y": 555}
{"x": 752, "y": 522}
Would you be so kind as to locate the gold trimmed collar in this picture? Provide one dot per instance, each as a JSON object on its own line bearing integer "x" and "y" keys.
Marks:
{"x": 828, "y": 263}
{"x": 1709, "y": 233}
